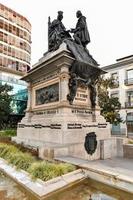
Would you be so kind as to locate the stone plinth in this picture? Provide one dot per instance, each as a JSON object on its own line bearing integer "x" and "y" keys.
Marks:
{"x": 51, "y": 123}
{"x": 128, "y": 151}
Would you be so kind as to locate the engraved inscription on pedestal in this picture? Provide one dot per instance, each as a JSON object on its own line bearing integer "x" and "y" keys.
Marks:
{"x": 82, "y": 96}
{"x": 47, "y": 94}
{"x": 46, "y": 112}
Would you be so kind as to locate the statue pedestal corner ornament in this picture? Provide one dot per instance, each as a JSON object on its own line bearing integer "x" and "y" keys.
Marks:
{"x": 62, "y": 105}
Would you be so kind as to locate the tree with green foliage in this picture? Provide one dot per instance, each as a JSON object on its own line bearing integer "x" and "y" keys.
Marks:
{"x": 5, "y": 100}
{"x": 110, "y": 106}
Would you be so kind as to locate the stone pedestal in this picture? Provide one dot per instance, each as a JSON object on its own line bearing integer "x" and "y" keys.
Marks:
{"x": 51, "y": 123}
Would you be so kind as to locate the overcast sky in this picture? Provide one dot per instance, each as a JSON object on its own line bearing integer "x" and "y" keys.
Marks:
{"x": 110, "y": 24}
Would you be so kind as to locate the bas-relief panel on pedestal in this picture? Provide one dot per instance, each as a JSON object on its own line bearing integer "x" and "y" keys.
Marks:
{"x": 49, "y": 94}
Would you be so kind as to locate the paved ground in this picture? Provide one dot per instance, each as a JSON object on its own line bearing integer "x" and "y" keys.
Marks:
{"x": 116, "y": 165}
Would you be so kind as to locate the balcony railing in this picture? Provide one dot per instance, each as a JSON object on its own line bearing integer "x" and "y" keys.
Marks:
{"x": 129, "y": 104}
{"x": 129, "y": 81}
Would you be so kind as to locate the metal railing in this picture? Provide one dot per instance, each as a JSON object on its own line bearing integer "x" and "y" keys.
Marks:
{"x": 129, "y": 104}
{"x": 128, "y": 81}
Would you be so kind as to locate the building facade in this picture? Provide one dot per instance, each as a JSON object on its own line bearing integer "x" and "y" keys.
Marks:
{"x": 122, "y": 71}
{"x": 15, "y": 55}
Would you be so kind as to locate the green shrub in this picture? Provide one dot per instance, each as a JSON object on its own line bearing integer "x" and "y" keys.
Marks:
{"x": 41, "y": 169}
{"x": 2, "y": 147}
{"x": 64, "y": 168}
{"x": 8, "y": 133}
{"x": 46, "y": 171}
{"x": 21, "y": 160}
{"x": 15, "y": 156}
{"x": 6, "y": 149}
{"x": 2, "y": 133}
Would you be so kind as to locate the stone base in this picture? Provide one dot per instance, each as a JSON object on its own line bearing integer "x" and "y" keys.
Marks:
{"x": 64, "y": 133}
{"x": 51, "y": 123}
{"x": 128, "y": 151}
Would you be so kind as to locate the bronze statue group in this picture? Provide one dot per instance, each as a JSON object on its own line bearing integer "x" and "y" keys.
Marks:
{"x": 85, "y": 68}
{"x": 57, "y": 31}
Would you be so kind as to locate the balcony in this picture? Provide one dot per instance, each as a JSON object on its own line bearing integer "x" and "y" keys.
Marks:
{"x": 129, "y": 104}
{"x": 128, "y": 81}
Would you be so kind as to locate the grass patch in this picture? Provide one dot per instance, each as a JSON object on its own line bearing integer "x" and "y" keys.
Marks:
{"x": 37, "y": 169}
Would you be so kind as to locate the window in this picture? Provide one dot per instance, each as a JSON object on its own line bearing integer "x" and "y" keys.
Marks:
{"x": 14, "y": 30}
{"x": 18, "y": 31}
{"x": 130, "y": 95}
{"x": 6, "y": 26}
{"x": 130, "y": 74}
{"x": 10, "y": 28}
{"x": 129, "y": 77}
{"x": 9, "y": 63}
{"x": 1, "y": 48}
{"x": 1, "y": 36}
{"x": 21, "y": 33}
{"x": 130, "y": 98}
{"x": 0, "y": 60}
{"x": 1, "y": 24}
{"x": 9, "y": 51}
{"x": 5, "y": 62}
{"x": 114, "y": 95}
{"x": 5, "y": 38}
{"x": 115, "y": 80}
{"x": 115, "y": 76}
{"x": 130, "y": 123}
{"x": 17, "y": 65}
{"x": 5, "y": 49}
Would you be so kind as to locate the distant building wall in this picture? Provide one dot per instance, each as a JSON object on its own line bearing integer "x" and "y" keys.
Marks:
{"x": 122, "y": 71}
{"x": 15, "y": 40}
{"x": 15, "y": 55}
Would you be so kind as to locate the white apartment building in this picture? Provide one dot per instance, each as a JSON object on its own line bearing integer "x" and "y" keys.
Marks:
{"x": 122, "y": 71}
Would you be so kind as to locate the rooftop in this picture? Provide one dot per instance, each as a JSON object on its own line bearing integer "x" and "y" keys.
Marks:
{"x": 12, "y": 11}
{"x": 124, "y": 58}
{"x": 120, "y": 62}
